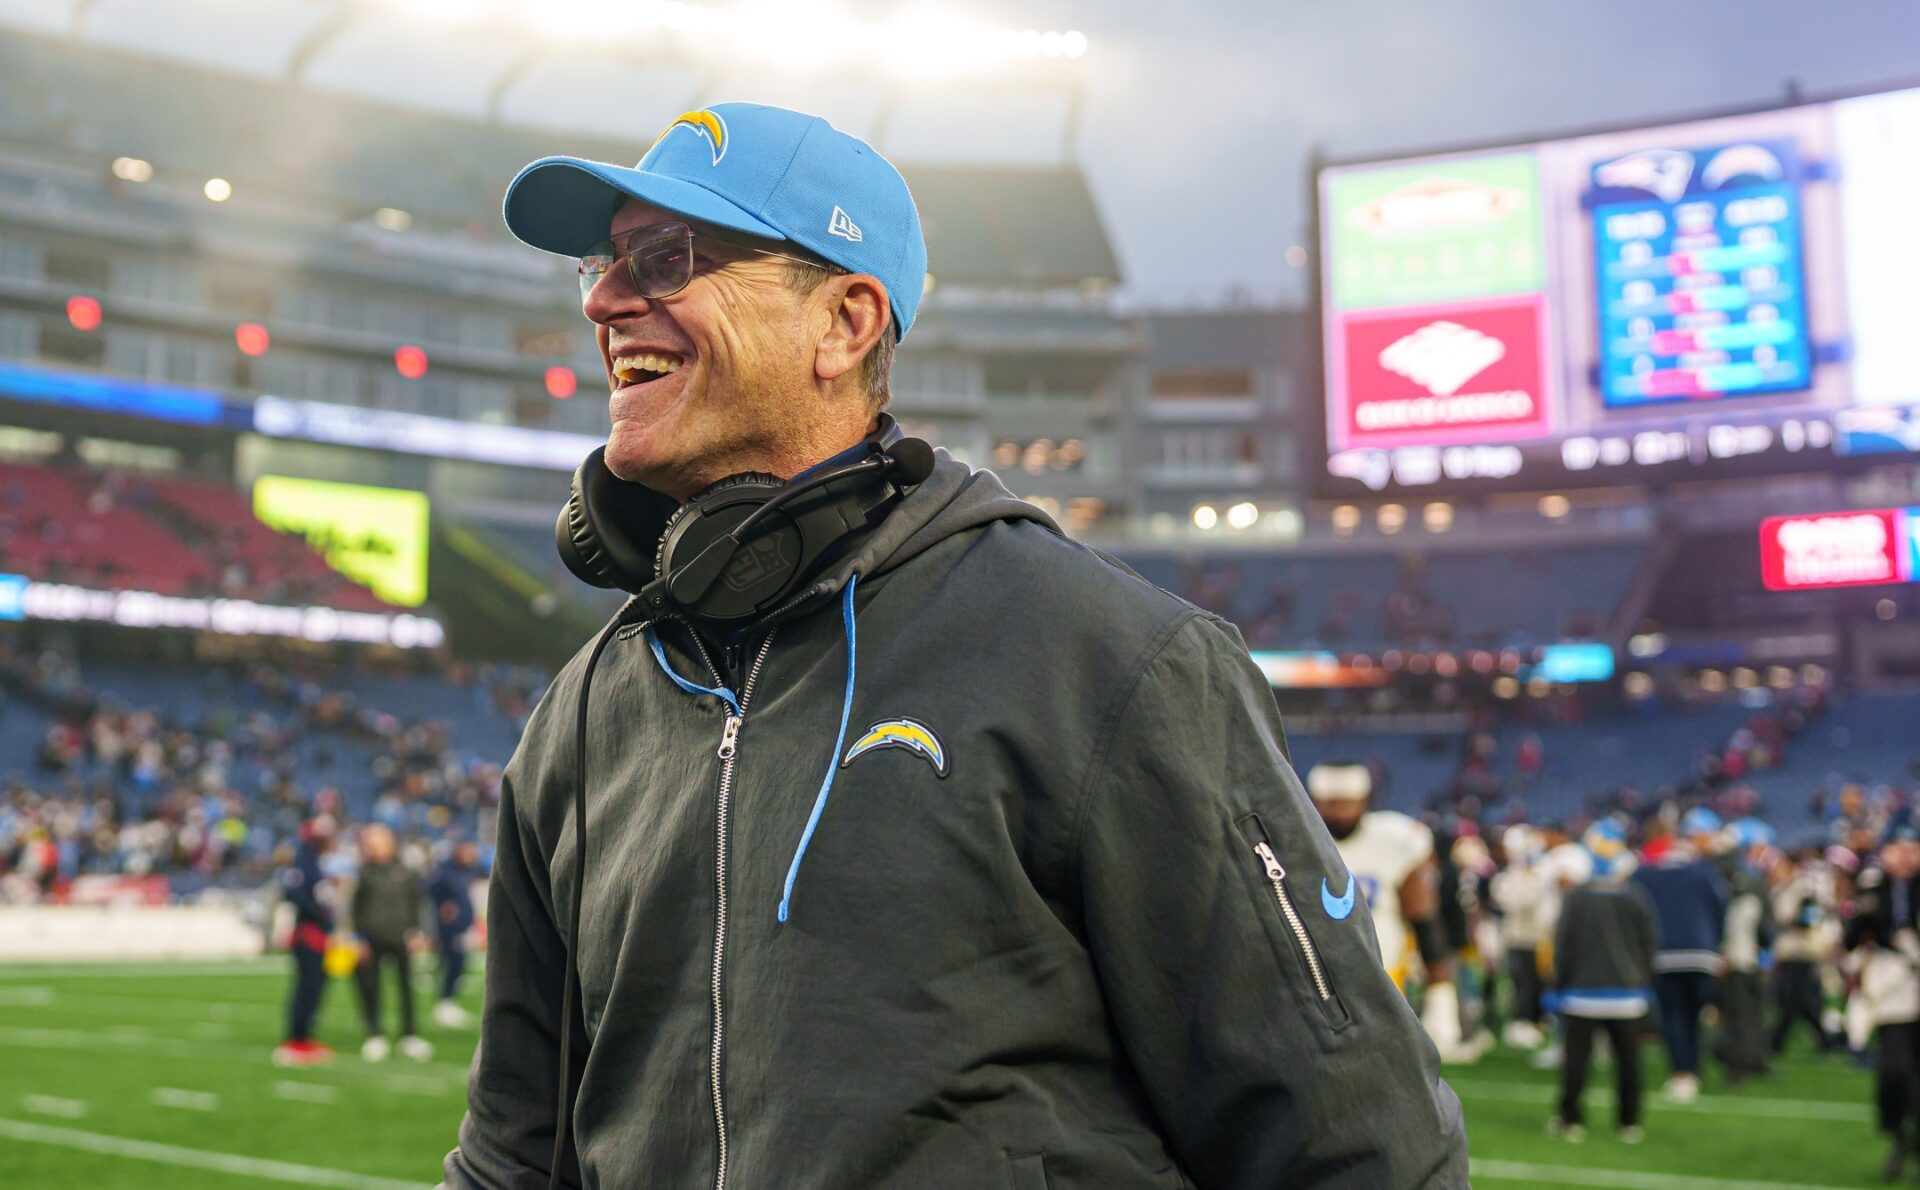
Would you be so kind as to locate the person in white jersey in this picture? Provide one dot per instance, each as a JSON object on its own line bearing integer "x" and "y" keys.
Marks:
{"x": 1394, "y": 872}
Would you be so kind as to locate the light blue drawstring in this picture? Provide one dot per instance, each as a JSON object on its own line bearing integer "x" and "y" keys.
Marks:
{"x": 833, "y": 761}
{"x": 666, "y": 667}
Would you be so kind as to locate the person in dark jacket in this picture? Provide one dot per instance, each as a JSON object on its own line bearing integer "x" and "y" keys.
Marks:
{"x": 973, "y": 861}
{"x": 304, "y": 886}
{"x": 1690, "y": 912}
{"x": 1885, "y": 928}
{"x": 386, "y": 924}
{"x": 450, "y": 892}
{"x": 1603, "y": 977}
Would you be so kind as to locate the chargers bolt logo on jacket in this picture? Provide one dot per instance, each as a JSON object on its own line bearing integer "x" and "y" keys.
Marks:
{"x": 901, "y": 733}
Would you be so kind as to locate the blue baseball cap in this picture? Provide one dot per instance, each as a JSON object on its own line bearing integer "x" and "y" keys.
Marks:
{"x": 763, "y": 171}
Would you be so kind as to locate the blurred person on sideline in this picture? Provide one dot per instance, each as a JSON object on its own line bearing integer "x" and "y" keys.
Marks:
{"x": 1391, "y": 857}
{"x": 1063, "y": 921}
{"x": 1690, "y": 916}
{"x": 1748, "y": 951}
{"x": 303, "y": 886}
{"x": 1802, "y": 900}
{"x": 1882, "y": 940}
{"x": 1523, "y": 897}
{"x": 1603, "y": 976}
{"x": 450, "y": 892}
{"x": 386, "y": 913}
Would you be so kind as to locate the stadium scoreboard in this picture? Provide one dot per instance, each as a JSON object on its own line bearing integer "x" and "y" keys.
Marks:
{"x": 1732, "y": 294}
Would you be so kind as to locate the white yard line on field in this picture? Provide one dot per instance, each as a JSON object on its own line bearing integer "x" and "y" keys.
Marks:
{"x": 249, "y": 1055}
{"x": 233, "y": 1163}
{"x": 25, "y": 997}
{"x": 118, "y": 969}
{"x": 1535, "y": 1173}
{"x": 1712, "y": 1105}
{"x": 305, "y": 1092}
{"x": 185, "y": 1100}
{"x": 49, "y": 1105}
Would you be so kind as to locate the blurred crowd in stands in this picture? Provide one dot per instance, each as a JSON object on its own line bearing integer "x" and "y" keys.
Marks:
{"x": 215, "y": 795}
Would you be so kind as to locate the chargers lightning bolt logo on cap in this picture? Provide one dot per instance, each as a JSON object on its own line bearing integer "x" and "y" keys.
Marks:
{"x": 704, "y": 123}
{"x": 917, "y": 738}
{"x": 1337, "y": 907}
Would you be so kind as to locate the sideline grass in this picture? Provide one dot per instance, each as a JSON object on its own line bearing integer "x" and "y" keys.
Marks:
{"x": 109, "y": 1036}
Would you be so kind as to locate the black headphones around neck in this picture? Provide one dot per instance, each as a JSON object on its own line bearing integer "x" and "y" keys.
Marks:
{"x": 737, "y": 551}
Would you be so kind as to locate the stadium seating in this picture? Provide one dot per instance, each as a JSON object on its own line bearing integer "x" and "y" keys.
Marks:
{"x": 1445, "y": 599}
{"x": 172, "y": 536}
{"x": 70, "y": 527}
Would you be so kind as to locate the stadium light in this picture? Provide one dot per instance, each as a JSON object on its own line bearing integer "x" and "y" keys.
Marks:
{"x": 1242, "y": 515}
{"x": 392, "y": 219}
{"x": 83, "y": 312}
{"x": 217, "y": 190}
{"x": 804, "y": 35}
{"x": 132, "y": 169}
{"x": 1205, "y": 517}
{"x": 252, "y": 339}
{"x": 1555, "y": 506}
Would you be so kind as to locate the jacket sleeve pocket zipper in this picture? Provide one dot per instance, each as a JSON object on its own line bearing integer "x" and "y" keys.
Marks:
{"x": 1276, "y": 876}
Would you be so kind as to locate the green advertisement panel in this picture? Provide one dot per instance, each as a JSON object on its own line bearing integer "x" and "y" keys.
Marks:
{"x": 1439, "y": 231}
{"x": 375, "y": 536}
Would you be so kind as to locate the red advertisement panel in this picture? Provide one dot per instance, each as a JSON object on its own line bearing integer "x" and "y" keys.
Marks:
{"x": 1459, "y": 372}
{"x": 1832, "y": 549}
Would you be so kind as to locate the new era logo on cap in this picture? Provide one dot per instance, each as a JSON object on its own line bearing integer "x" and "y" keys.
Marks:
{"x": 843, "y": 226}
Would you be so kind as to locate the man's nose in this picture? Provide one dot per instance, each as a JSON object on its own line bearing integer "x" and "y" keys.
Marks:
{"x": 613, "y": 297}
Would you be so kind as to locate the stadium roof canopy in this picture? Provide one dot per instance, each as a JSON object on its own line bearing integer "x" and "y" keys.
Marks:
{"x": 988, "y": 223}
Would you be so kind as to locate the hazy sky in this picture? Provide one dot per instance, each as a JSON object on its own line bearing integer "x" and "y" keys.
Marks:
{"x": 1198, "y": 116}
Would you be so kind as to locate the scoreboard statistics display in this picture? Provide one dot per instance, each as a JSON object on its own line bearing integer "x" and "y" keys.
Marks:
{"x": 1733, "y": 294}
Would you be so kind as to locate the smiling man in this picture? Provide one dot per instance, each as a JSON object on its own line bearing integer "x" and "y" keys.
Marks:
{"x": 888, "y": 838}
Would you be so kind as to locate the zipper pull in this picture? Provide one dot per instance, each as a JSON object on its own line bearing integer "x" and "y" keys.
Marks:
{"x": 1272, "y": 861}
{"x": 729, "y": 737}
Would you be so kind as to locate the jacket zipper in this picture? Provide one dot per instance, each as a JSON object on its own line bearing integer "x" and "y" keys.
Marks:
{"x": 728, "y": 752}
{"x": 1277, "y": 876}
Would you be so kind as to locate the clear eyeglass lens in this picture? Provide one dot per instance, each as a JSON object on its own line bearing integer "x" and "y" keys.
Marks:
{"x": 659, "y": 267}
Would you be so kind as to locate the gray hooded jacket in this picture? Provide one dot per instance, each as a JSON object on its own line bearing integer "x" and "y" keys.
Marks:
{"x": 991, "y": 873}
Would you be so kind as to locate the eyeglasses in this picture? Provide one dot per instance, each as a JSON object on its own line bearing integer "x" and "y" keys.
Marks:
{"x": 664, "y": 258}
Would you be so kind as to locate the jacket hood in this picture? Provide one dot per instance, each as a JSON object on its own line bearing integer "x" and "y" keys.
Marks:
{"x": 952, "y": 500}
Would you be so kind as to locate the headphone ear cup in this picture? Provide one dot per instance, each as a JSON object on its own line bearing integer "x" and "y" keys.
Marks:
{"x": 604, "y": 532}
{"x": 695, "y": 506}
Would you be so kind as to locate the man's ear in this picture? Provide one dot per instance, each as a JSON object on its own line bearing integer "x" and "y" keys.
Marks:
{"x": 856, "y": 316}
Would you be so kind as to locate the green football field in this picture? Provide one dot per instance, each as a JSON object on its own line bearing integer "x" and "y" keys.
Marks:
{"x": 157, "y": 1075}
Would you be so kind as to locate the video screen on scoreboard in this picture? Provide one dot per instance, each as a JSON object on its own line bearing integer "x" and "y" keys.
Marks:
{"x": 1729, "y": 294}
{"x": 378, "y": 537}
